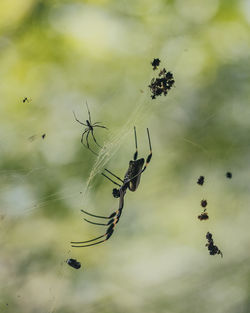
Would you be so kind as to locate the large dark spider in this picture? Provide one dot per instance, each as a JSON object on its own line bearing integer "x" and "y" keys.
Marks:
{"x": 131, "y": 181}
{"x": 89, "y": 129}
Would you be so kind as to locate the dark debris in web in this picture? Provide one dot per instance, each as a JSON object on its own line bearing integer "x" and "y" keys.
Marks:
{"x": 162, "y": 83}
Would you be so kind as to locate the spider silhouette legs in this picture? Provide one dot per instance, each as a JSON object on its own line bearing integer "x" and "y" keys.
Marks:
{"x": 88, "y": 112}
{"x": 113, "y": 221}
{"x": 92, "y": 133}
{"x": 112, "y": 179}
{"x": 78, "y": 120}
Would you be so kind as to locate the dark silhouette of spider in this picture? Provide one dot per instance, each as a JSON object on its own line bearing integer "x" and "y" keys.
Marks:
{"x": 89, "y": 130}
{"x": 229, "y": 175}
{"x": 131, "y": 181}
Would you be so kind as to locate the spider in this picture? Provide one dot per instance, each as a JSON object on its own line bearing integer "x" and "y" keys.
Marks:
{"x": 131, "y": 181}
{"x": 89, "y": 129}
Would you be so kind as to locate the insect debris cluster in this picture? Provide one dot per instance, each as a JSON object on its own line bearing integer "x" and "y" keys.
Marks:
{"x": 204, "y": 216}
{"x": 161, "y": 84}
{"x": 212, "y": 248}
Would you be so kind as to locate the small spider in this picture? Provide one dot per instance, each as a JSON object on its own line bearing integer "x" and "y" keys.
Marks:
{"x": 89, "y": 130}
{"x": 229, "y": 175}
{"x": 155, "y": 63}
{"x": 200, "y": 180}
{"x": 131, "y": 181}
{"x": 73, "y": 263}
{"x": 43, "y": 136}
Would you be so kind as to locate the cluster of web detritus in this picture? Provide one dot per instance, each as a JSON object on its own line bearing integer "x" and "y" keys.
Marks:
{"x": 213, "y": 249}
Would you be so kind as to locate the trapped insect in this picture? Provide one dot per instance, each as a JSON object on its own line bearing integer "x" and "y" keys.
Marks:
{"x": 131, "y": 181}
{"x": 200, "y": 180}
{"x": 26, "y": 100}
{"x": 89, "y": 130}
{"x": 73, "y": 263}
{"x": 203, "y": 203}
{"x": 155, "y": 63}
{"x": 203, "y": 216}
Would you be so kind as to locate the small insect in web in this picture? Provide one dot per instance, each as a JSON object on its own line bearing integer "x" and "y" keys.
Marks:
{"x": 229, "y": 175}
{"x": 74, "y": 263}
{"x": 203, "y": 203}
{"x": 28, "y": 100}
{"x": 131, "y": 181}
{"x": 155, "y": 63}
{"x": 203, "y": 216}
{"x": 200, "y": 180}
{"x": 89, "y": 130}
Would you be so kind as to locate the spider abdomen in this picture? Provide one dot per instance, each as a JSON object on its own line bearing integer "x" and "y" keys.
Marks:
{"x": 133, "y": 174}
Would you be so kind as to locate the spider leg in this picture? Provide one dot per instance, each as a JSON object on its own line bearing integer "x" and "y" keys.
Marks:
{"x": 92, "y": 133}
{"x": 106, "y": 217}
{"x": 87, "y": 139}
{"x": 86, "y": 130}
{"x": 88, "y": 147}
{"x": 150, "y": 154}
{"x": 136, "y": 148}
{"x": 114, "y": 175}
{"x": 78, "y": 120}
{"x": 100, "y": 224}
{"x": 93, "y": 244}
{"x": 111, "y": 180}
{"x": 88, "y": 111}
{"x": 78, "y": 242}
{"x": 99, "y": 126}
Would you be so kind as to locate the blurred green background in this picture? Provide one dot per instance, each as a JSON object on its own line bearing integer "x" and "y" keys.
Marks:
{"x": 61, "y": 54}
